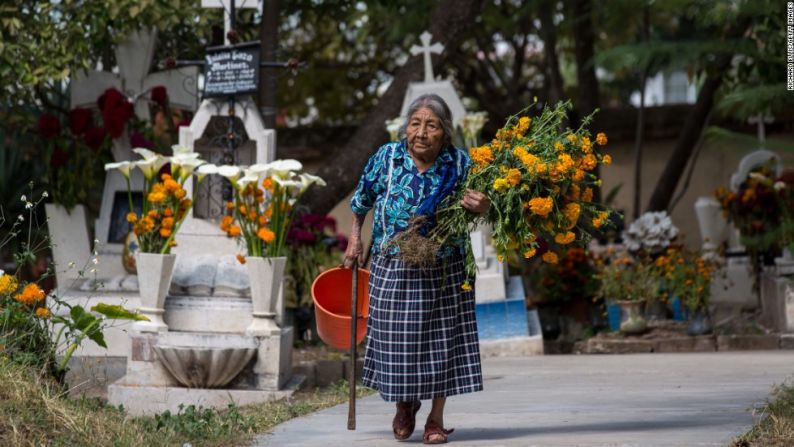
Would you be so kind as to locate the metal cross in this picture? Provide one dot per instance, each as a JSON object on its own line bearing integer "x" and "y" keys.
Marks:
{"x": 761, "y": 120}
{"x": 228, "y": 12}
{"x": 426, "y": 48}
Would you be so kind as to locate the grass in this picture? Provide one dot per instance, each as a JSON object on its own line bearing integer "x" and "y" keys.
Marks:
{"x": 35, "y": 411}
{"x": 776, "y": 426}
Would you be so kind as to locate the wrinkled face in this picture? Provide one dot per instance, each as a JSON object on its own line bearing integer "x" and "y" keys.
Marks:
{"x": 425, "y": 134}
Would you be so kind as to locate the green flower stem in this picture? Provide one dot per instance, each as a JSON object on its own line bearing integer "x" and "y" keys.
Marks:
{"x": 76, "y": 343}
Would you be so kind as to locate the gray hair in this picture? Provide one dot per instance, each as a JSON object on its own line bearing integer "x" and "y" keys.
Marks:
{"x": 438, "y": 106}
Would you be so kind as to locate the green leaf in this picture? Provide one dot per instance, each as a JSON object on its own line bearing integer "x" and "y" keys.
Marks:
{"x": 117, "y": 312}
{"x": 98, "y": 337}
{"x": 81, "y": 318}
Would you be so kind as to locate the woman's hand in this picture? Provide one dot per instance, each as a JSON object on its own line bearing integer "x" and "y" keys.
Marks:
{"x": 354, "y": 251}
{"x": 475, "y": 201}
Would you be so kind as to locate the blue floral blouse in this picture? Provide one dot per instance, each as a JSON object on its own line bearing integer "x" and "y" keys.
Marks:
{"x": 393, "y": 186}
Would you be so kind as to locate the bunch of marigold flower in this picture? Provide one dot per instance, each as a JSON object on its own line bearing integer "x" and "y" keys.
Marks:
{"x": 263, "y": 204}
{"x": 540, "y": 182}
{"x": 165, "y": 206}
{"x": 31, "y": 295}
{"x": 687, "y": 275}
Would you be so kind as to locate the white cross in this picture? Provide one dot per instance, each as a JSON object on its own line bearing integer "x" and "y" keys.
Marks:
{"x": 426, "y": 48}
{"x": 760, "y": 120}
{"x": 134, "y": 57}
{"x": 227, "y": 18}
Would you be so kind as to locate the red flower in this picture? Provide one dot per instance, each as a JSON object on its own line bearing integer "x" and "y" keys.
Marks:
{"x": 116, "y": 111}
{"x": 49, "y": 125}
{"x": 185, "y": 122}
{"x": 160, "y": 95}
{"x": 95, "y": 137}
{"x": 79, "y": 120}
{"x": 58, "y": 158}
{"x": 138, "y": 140}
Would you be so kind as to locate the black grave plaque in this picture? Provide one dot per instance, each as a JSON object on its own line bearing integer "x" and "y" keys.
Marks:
{"x": 231, "y": 70}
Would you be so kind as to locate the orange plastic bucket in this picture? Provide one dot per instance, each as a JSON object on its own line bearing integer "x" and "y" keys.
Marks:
{"x": 332, "y": 294}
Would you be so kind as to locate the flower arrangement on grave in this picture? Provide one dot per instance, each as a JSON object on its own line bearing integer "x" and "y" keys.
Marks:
{"x": 755, "y": 211}
{"x": 539, "y": 180}
{"x": 784, "y": 187}
{"x": 624, "y": 279}
{"x": 313, "y": 245}
{"x": 687, "y": 275}
{"x": 75, "y": 152}
{"x": 165, "y": 201}
{"x": 573, "y": 277}
{"x": 650, "y": 234}
{"x": 264, "y": 195}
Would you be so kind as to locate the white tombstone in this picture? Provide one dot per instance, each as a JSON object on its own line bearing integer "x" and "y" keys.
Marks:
{"x": 442, "y": 88}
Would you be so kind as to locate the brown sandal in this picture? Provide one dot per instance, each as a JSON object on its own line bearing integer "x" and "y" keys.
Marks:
{"x": 405, "y": 419}
{"x": 431, "y": 428}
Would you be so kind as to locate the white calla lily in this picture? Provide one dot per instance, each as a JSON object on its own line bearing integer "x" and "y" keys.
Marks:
{"x": 230, "y": 172}
{"x": 247, "y": 179}
{"x": 288, "y": 183}
{"x": 308, "y": 180}
{"x": 205, "y": 170}
{"x": 187, "y": 167}
{"x": 177, "y": 149}
{"x": 145, "y": 153}
{"x": 148, "y": 167}
{"x": 260, "y": 169}
{"x": 123, "y": 166}
{"x": 284, "y": 168}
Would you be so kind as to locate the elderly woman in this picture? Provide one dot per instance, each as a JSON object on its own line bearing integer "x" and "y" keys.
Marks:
{"x": 422, "y": 333}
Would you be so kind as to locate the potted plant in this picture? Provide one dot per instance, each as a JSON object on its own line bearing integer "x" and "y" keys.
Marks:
{"x": 630, "y": 284}
{"x": 259, "y": 217}
{"x": 688, "y": 276}
{"x": 165, "y": 206}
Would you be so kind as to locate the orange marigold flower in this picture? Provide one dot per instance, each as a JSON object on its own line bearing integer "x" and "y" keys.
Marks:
{"x": 262, "y": 220}
{"x": 132, "y": 217}
{"x": 466, "y": 286}
{"x": 165, "y": 232}
{"x": 587, "y": 145}
{"x": 266, "y": 235}
{"x": 153, "y": 214}
{"x": 168, "y": 222}
{"x": 513, "y": 176}
{"x": 601, "y": 139}
{"x": 165, "y": 176}
{"x": 156, "y": 197}
{"x": 168, "y": 212}
{"x": 559, "y": 146}
{"x": 241, "y": 259}
{"x": 234, "y": 231}
{"x": 171, "y": 185}
{"x": 530, "y": 253}
{"x": 31, "y": 294}
{"x": 589, "y": 162}
{"x": 606, "y": 159}
{"x": 481, "y": 155}
{"x": 587, "y": 195}
{"x": 550, "y": 257}
{"x": 541, "y": 206}
{"x": 522, "y": 126}
{"x": 180, "y": 193}
{"x": 267, "y": 183}
{"x": 565, "y": 162}
{"x": 252, "y": 215}
{"x": 226, "y": 222}
{"x": 571, "y": 212}
{"x": 42, "y": 312}
{"x": 229, "y": 205}
{"x": 242, "y": 209}
{"x": 565, "y": 238}
{"x": 575, "y": 192}
{"x": 500, "y": 184}
{"x": 572, "y": 138}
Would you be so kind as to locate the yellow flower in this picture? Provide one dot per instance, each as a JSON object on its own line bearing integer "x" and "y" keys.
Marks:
{"x": 481, "y": 155}
{"x": 601, "y": 138}
{"x": 541, "y": 206}
{"x": 606, "y": 159}
{"x": 587, "y": 145}
{"x": 589, "y": 162}
{"x": 180, "y": 193}
{"x": 500, "y": 184}
{"x": 241, "y": 259}
{"x": 513, "y": 176}
{"x": 559, "y": 146}
{"x": 578, "y": 175}
{"x": 42, "y": 312}
{"x": 31, "y": 294}
{"x": 8, "y": 284}
{"x": 522, "y": 126}
{"x": 550, "y": 257}
{"x": 132, "y": 217}
{"x": 530, "y": 253}
{"x": 466, "y": 286}
{"x": 571, "y": 212}
{"x": 156, "y": 197}
{"x": 564, "y": 163}
{"x": 574, "y": 192}
{"x": 587, "y": 195}
{"x": 572, "y": 138}
{"x": 564, "y": 238}
{"x": 500, "y": 258}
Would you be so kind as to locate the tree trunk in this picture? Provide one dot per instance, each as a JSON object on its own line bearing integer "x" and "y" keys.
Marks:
{"x": 268, "y": 77}
{"x": 450, "y": 22}
{"x": 549, "y": 36}
{"x": 688, "y": 138}
{"x": 587, "y": 95}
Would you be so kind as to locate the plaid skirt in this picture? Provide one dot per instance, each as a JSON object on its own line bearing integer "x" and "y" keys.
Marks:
{"x": 422, "y": 332}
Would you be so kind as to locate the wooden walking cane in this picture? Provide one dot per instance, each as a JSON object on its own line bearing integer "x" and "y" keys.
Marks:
{"x": 351, "y": 411}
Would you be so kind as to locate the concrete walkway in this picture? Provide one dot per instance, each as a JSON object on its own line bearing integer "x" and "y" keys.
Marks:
{"x": 613, "y": 400}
